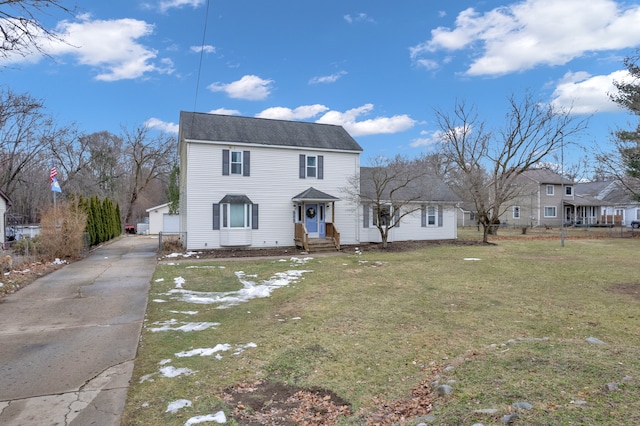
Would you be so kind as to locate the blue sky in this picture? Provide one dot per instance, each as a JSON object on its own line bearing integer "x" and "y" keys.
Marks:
{"x": 377, "y": 68}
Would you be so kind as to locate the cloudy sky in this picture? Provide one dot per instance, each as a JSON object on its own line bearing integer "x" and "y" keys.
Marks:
{"x": 377, "y": 68}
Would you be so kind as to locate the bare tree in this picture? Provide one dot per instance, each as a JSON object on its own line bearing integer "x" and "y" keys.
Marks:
{"x": 392, "y": 188}
{"x": 147, "y": 158}
{"x": 488, "y": 162}
{"x": 21, "y": 27}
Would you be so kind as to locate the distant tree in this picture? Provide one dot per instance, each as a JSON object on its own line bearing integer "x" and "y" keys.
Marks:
{"x": 147, "y": 158}
{"x": 623, "y": 164}
{"x": 174, "y": 190}
{"x": 488, "y": 163}
{"x": 390, "y": 189}
{"x": 21, "y": 29}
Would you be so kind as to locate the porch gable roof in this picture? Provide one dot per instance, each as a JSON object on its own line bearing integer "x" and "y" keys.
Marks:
{"x": 313, "y": 194}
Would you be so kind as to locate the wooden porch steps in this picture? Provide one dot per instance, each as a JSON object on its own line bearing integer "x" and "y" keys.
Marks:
{"x": 317, "y": 245}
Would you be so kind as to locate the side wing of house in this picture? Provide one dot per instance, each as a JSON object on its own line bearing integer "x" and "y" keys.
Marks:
{"x": 5, "y": 203}
{"x": 248, "y": 194}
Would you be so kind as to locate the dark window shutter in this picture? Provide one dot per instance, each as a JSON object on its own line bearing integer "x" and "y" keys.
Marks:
{"x": 246, "y": 163}
{"x": 216, "y": 217}
{"x": 320, "y": 166}
{"x": 423, "y": 211}
{"x": 439, "y": 214}
{"x": 365, "y": 215}
{"x": 254, "y": 216}
{"x": 396, "y": 217}
{"x": 225, "y": 162}
{"x": 303, "y": 166}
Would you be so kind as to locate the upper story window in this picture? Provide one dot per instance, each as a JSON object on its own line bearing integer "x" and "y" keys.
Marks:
{"x": 568, "y": 190}
{"x": 550, "y": 189}
{"x": 311, "y": 166}
{"x": 236, "y": 162}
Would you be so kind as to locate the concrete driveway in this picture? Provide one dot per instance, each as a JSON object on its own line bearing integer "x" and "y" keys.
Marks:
{"x": 69, "y": 339}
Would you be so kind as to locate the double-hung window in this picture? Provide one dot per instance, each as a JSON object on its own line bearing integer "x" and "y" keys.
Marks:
{"x": 235, "y": 162}
{"x": 516, "y": 212}
{"x": 311, "y": 166}
{"x": 550, "y": 211}
{"x": 550, "y": 190}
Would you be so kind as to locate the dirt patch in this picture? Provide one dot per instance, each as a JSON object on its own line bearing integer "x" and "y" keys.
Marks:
{"x": 24, "y": 274}
{"x": 273, "y": 403}
{"x": 632, "y": 290}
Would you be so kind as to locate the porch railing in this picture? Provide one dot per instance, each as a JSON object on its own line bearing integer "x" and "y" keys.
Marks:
{"x": 333, "y": 233}
{"x": 301, "y": 236}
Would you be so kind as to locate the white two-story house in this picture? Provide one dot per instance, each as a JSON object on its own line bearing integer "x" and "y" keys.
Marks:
{"x": 255, "y": 183}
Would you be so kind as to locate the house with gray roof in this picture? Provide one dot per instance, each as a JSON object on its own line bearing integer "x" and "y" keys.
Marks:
{"x": 605, "y": 202}
{"x": 254, "y": 183}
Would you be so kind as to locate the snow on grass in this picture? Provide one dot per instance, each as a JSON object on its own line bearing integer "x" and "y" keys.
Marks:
{"x": 185, "y": 312}
{"x": 178, "y": 404}
{"x": 205, "y": 267}
{"x": 218, "y": 417}
{"x": 182, "y": 326}
{"x": 171, "y": 371}
{"x": 250, "y": 290}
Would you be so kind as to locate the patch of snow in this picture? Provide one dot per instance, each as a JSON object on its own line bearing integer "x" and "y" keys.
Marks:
{"x": 158, "y": 300}
{"x": 205, "y": 351}
{"x": 242, "y": 348}
{"x": 171, "y": 371}
{"x": 165, "y": 361}
{"x": 59, "y": 262}
{"x": 159, "y": 280}
{"x": 300, "y": 261}
{"x": 184, "y": 312}
{"x": 185, "y": 326}
{"x": 250, "y": 290}
{"x": 147, "y": 377}
{"x": 178, "y": 281}
{"x": 471, "y": 258}
{"x": 176, "y": 405}
{"x": 205, "y": 267}
{"x": 218, "y": 417}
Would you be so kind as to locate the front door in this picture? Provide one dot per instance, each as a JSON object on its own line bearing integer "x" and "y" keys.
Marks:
{"x": 311, "y": 219}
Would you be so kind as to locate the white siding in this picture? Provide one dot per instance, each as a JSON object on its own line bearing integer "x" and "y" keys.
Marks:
{"x": 273, "y": 182}
{"x": 3, "y": 211}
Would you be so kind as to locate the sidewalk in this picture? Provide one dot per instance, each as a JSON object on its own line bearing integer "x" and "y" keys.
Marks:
{"x": 69, "y": 339}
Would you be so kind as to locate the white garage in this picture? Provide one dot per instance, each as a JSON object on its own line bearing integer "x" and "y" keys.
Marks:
{"x": 161, "y": 221}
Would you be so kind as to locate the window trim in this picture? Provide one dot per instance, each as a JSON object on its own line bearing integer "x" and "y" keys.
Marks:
{"x": 551, "y": 190}
{"x": 568, "y": 191}
{"x": 239, "y": 155}
{"x": 304, "y": 167}
{"x": 555, "y": 210}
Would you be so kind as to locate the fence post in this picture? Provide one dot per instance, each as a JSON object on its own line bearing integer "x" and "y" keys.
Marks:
{"x": 160, "y": 242}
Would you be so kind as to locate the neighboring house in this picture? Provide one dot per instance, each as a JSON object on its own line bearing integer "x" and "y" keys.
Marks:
{"x": 161, "y": 221}
{"x": 546, "y": 199}
{"x": 431, "y": 213}
{"x": 605, "y": 203}
{"x": 252, "y": 182}
{"x": 5, "y": 203}
{"x": 467, "y": 214}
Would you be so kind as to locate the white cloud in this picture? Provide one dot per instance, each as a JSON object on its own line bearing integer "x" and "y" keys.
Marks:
{"x": 360, "y": 17}
{"x": 378, "y": 125}
{"x": 427, "y": 138}
{"x": 249, "y": 87}
{"x": 327, "y": 78}
{"x": 529, "y": 33}
{"x": 111, "y": 47}
{"x": 171, "y": 4}
{"x": 206, "y": 49}
{"x": 225, "y": 111}
{"x": 301, "y": 113}
{"x": 156, "y": 123}
{"x": 583, "y": 93}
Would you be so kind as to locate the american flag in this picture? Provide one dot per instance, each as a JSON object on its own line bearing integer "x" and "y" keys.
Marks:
{"x": 53, "y": 173}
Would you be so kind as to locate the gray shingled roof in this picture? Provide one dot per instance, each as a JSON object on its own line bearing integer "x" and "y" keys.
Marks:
{"x": 543, "y": 176}
{"x": 426, "y": 188}
{"x": 262, "y": 131}
{"x": 314, "y": 194}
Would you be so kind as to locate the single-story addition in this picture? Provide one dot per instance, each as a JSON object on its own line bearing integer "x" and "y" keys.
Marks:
{"x": 257, "y": 183}
{"x": 161, "y": 221}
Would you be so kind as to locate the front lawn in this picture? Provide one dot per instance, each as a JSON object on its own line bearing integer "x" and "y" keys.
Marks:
{"x": 367, "y": 337}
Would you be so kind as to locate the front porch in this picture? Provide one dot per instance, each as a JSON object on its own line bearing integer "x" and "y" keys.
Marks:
{"x": 331, "y": 241}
